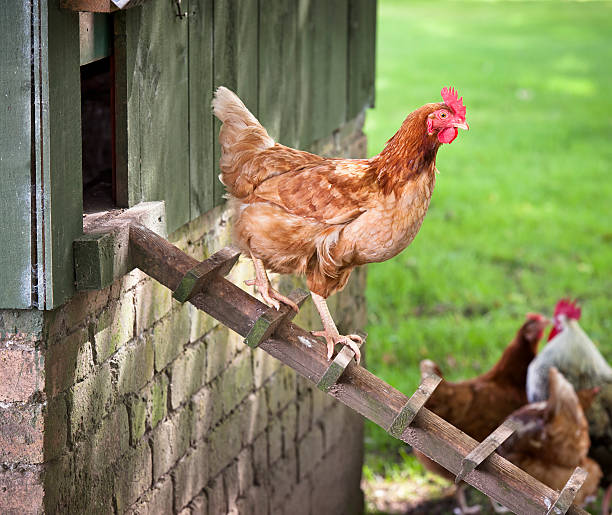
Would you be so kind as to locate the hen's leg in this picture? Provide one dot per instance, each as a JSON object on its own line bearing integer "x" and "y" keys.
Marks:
{"x": 330, "y": 332}
{"x": 269, "y": 294}
{"x": 463, "y": 508}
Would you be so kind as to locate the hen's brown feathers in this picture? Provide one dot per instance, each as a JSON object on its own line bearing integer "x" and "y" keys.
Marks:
{"x": 553, "y": 438}
{"x": 494, "y": 394}
{"x": 305, "y": 214}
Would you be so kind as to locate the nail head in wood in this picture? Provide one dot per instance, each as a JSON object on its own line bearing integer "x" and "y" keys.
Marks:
{"x": 336, "y": 368}
{"x": 485, "y": 448}
{"x": 566, "y": 497}
{"x": 406, "y": 415}
{"x": 194, "y": 281}
{"x": 272, "y": 318}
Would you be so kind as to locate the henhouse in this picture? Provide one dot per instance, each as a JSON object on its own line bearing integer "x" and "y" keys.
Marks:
{"x": 114, "y": 397}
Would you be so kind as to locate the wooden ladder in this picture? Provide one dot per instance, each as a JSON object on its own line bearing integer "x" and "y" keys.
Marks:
{"x": 204, "y": 285}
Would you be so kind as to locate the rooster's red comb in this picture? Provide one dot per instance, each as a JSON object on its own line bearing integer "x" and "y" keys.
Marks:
{"x": 450, "y": 97}
{"x": 568, "y": 308}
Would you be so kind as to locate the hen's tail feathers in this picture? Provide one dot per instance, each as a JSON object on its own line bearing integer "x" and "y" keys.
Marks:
{"x": 562, "y": 396}
{"x": 241, "y": 137}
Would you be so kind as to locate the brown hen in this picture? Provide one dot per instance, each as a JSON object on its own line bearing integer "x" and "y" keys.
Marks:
{"x": 479, "y": 405}
{"x": 553, "y": 439}
{"x": 299, "y": 213}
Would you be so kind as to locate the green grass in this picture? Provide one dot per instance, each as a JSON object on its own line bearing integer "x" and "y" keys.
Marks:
{"x": 522, "y": 210}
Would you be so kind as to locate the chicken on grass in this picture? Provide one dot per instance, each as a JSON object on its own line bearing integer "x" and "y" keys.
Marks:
{"x": 299, "y": 213}
{"x": 492, "y": 395}
{"x": 552, "y": 439}
{"x": 572, "y": 352}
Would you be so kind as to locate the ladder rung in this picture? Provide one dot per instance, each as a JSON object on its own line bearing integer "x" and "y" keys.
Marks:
{"x": 406, "y": 415}
{"x": 336, "y": 368}
{"x": 566, "y": 497}
{"x": 272, "y": 318}
{"x": 485, "y": 448}
{"x": 194, "y": 281}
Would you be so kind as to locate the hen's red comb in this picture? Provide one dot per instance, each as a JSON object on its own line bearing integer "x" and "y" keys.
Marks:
{"x": 568, "y": 308}
{"x": 449, "y": 95}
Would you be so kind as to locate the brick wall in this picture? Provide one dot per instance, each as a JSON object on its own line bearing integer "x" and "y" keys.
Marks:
{"x": 125, "y": 401}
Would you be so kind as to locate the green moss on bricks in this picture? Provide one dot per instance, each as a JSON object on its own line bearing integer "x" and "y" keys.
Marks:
{"x": 169, "y": 337}
{"x": 137, "y": 411}
{"x": 114, "y": 327}
{"x": 158, "y": 400}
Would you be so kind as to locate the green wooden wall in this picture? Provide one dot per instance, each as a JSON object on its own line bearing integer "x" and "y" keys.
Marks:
{"x": 40, "y": 154}
{"x": 15, "y": 158}
{"x": 304, "y": 67}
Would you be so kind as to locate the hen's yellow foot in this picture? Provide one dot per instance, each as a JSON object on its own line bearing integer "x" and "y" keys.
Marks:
{"x": 270, "y": 295}
{"x": 352, "y": 341}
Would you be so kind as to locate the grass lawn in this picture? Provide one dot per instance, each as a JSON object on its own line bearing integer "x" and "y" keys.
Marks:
{"x": 522, "y": 210}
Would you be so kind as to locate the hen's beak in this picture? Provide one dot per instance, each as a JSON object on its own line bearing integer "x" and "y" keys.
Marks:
{"x": 463, "y": 126}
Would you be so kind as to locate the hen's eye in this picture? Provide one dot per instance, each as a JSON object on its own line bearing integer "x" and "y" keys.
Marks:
{"x": 443, "y": 115}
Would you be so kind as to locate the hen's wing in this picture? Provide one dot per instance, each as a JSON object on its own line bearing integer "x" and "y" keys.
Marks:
{"x": 332, "y": 191}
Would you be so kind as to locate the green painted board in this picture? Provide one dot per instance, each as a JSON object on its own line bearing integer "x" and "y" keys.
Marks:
{"x": 361, "y": 55}
{"x": 152, "y": 108}
{"x": 62, "y": 190}
{"x": 336, "y": 43}
{"x": 278, "y": 70}
{"x": 201, "y": 157}
{"x": 163, "y": 107}
{"x": 15, "y": 158}
{"x": 127, "y": 121}
{"x": 95, "y": 36}
{"x": 235, "y": 63}
{"x": 322, "y": 68}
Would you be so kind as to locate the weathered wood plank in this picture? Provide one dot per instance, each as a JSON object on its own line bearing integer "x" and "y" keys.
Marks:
{"x": 127, "y": 113}
{"x": 278, "y": 70}
{"x": 194, "y": 281}
{"x": 566, "y": 497}
{"x": 416, "y": 402}
{"x": 59, "y": 182}
{"x": 95, "y": 36}
{"x": 336, "y": 368}
{"x": 201, "y": 153}
{"x": 101, "y": 255}
{"x": 322, "y": 68}
{"x": 15, "y": 165}
{"x": 272, "y": 318}
{"x": 486, "y": 448}
{"x": 361, "y": 55}
{"x": 235, "y": 62}
{"x": 163, "y": 105}
{"x": 99, "y": 6}
{"x": 336, "y": 47}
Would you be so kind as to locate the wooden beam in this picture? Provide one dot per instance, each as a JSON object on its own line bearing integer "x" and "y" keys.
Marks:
{"x": 101, "y": 255}
{"x": 356, "y": 387}
{"x": 99, "y": 6}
